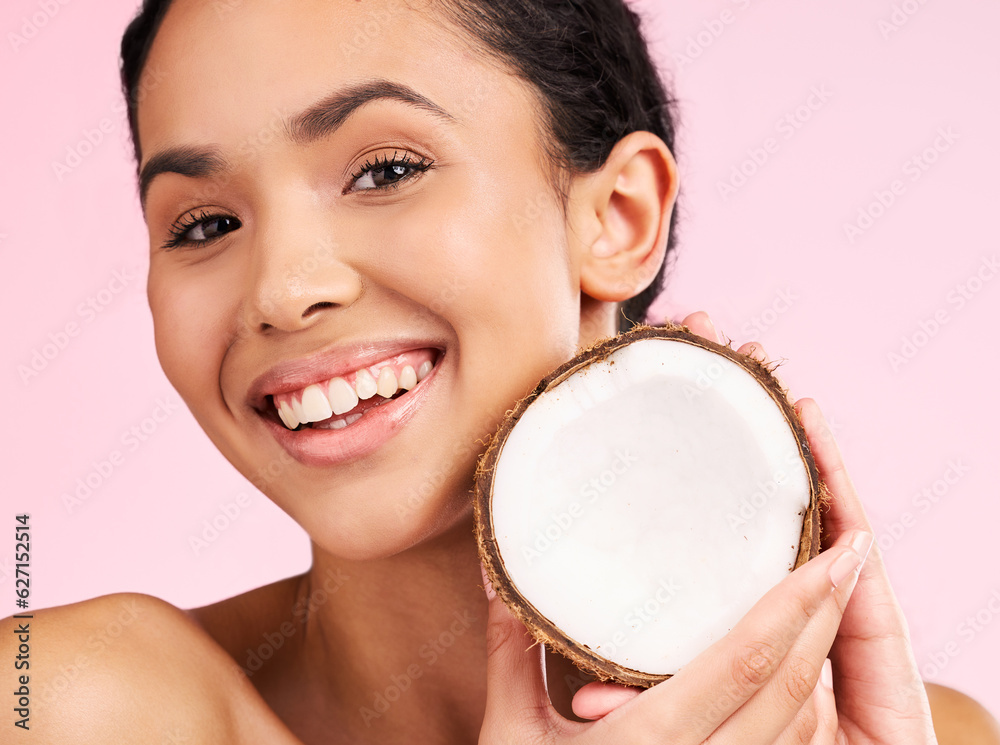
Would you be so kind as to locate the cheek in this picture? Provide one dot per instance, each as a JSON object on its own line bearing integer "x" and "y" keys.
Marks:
{"x": 187, "y": 318}
{"x": 483, "y": 255}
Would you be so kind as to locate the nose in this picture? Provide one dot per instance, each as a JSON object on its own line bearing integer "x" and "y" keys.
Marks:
{"x": 298, "y": 275}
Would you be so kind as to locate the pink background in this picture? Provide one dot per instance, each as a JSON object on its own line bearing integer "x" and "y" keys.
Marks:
{"x": 770, "y": 260}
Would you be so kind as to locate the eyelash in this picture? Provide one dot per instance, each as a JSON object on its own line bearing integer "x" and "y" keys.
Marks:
{"x": 182, "y": 225}
{"x": 418, "y": 167}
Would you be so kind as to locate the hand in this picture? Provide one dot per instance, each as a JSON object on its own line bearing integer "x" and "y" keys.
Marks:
{"x": 880, "y": 696}
{"x": 750, "y": 687}
{"x": 756, "y": 685}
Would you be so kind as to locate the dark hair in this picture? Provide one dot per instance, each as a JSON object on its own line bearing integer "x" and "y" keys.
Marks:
{"x": 588, "y": 60}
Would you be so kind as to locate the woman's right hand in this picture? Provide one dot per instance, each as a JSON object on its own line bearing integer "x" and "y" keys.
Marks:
{"x": 758, "y": 684}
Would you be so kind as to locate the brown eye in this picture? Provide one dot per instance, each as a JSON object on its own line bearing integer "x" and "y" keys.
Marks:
{"x": 387, "y": 173}
{"x": 199, "y": 229}
{"x": 205, "y": 230}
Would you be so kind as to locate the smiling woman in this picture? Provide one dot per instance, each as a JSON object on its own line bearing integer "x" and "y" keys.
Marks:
{"x": 352, "y": 248}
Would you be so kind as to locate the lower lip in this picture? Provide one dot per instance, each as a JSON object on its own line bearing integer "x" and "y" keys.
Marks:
{"x": 330, "y": 447}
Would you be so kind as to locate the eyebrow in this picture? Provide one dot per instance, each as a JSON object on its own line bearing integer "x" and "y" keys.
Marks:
{"x": 321, "y": 119}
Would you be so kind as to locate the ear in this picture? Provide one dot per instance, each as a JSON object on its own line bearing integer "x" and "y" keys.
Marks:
{"x": 627, "y": 206}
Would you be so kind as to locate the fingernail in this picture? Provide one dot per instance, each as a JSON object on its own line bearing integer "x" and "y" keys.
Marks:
{"x": 487, "y": 585}
{"x": 715, "y": 332}
{"x": 842, "y": 568}
{"x": 845, "y": 564}
{"x": 826, "y": 674}
{"x": 862, "y": 543}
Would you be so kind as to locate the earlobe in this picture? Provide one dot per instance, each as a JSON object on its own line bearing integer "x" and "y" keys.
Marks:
{"x": 631, "y": 198}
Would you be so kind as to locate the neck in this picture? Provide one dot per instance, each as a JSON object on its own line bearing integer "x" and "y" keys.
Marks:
{"x": 598, "y": 320}
{"x": 397, "y": 645}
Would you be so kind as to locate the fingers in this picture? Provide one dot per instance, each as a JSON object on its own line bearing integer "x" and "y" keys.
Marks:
{"x": 699, "y": 323}
{"x": 802, "y": 728}
{"x": 781, "y": 698}
{"x": 873, "y": 652}
{"x": 828, "y": 723}
{"x": 597, "y": 700}
{"x": 845, "y": 510}
{"x": 816, "y": 723}
{"x": 515, "y": 681}
{"x": 694, "y": 703}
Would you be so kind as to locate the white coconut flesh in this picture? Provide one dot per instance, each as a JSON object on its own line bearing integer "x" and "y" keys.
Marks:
{"x": 647, "y": 501}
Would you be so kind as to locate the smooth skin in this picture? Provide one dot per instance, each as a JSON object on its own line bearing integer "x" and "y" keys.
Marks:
{"x": 310, "y": 251}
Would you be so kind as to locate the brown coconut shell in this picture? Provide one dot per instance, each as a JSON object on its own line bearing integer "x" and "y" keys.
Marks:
{"x": 538, "y": 625}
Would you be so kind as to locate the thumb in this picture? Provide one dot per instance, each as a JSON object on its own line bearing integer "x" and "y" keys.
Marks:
{"x": 515, "y": 683}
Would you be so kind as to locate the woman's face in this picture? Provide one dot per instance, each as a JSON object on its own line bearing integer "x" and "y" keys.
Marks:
{"x": 309, "y": 246}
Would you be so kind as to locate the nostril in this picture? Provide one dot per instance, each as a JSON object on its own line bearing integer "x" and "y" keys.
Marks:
{"x": 317, "y": 306}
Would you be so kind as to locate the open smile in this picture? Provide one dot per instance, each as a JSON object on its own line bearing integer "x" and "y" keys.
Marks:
{"x": 323, "y": 419}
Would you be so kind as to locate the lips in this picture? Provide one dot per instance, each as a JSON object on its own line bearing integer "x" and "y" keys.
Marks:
{"x": 343, "y": 398}
{"x": 344, "y": 402}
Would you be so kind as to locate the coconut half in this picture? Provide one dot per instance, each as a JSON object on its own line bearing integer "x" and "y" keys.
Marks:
{"x": 635, "y": 505}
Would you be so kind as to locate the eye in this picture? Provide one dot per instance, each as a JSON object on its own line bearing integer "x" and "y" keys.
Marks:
{"x": 200, "y": 229}
{"x": 388, "y": 173}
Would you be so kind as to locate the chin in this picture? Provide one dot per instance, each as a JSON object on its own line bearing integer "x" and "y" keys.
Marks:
{"x": 389, "y": 529}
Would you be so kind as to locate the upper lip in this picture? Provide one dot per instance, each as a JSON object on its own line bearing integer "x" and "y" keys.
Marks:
{"x": 293, "y": 375}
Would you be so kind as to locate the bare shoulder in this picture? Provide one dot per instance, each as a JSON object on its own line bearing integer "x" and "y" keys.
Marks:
{"x": 960, "y": 719}
{"x": 126, "y": 667}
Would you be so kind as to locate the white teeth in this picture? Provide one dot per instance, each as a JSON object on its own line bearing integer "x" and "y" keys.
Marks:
{"x": 342, "y": 396}
{"x": 365, "y": 384}
{"x": 287, "y": 416}
{"x": 352, "y": 418}
{"x": 296, "y": 405}
{"x": 387, "y": 382}
{"x": 315, "y": 404}
{"x": 318, "y": 402}
{"x": 407, "y": 377}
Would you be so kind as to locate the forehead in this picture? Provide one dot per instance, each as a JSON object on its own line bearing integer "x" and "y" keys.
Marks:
{"x": 219, "y": 71}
